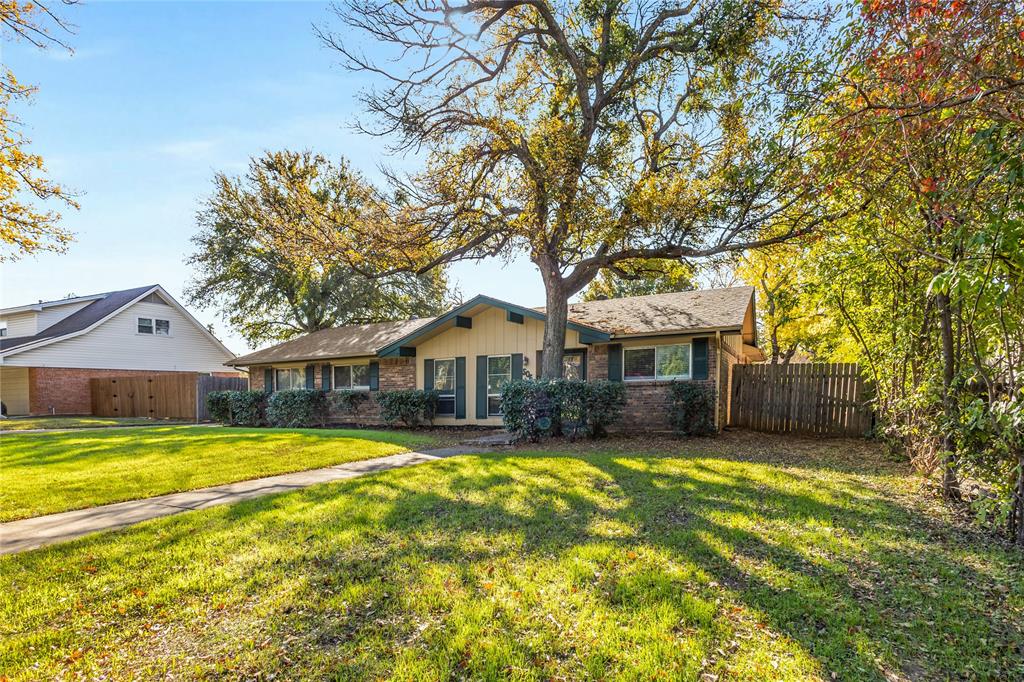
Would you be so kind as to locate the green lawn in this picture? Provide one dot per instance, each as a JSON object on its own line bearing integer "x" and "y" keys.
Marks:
{"x": 537, "y": 566}
{"x": 28, "y": 423}
{"x": 43, "y": 473}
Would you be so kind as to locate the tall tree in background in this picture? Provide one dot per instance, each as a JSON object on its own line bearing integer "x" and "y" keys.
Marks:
{"x": 641, "y": 279}
{"x": 587, "y": 135}
{"x": 267, "y": 294}
{"x": 24, "y": 227}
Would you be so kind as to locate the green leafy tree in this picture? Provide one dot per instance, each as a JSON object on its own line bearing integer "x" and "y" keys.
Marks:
{"x": 268, "y": 293}
{"x": 587, "y": 135}
{"x": 641, "y": 279}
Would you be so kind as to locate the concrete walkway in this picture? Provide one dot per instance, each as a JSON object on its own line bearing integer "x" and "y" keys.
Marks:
{"x": 26, "y": 534}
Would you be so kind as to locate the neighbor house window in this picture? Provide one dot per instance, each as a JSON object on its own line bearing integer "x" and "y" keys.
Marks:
{"x": 148, "y": 325}
{"x": 499, "y": 373}
{"x": 444, "y": 384}
{"x": 657, "y": 362}
{"x": 289, "y": 379}
{"x": 572, "y": 366}
{"x": 352, "y": 377}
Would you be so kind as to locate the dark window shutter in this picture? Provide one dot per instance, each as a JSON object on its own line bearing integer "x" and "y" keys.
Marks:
{"x": 374, "y": 376}
{"x": 583, "y": 365}
{"x": 268, "y": 380}
{"x": 481, "y": 387}
{"x": 310, "y": 377}
{"x": 615, "y": 361}
{"x": 325, "y": 377}
{"x": 428, "y": 375}
{"x": 517, "y": 367}
{"x": 460, "y": 388}
{"x": 699, "y": 371}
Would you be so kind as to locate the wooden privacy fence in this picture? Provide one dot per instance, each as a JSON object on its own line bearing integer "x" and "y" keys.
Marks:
{"x": 160, "y": 396}
{"x": 814, "y": 398}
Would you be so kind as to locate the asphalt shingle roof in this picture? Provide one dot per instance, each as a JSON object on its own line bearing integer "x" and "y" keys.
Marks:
{"x": 339, "y": 342}
{"x": 639, "y": 315}
{"x": 83, "y": 318}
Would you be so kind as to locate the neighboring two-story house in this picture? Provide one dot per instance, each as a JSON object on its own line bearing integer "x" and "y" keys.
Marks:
{"x": 49, "y": 350}
{"x": 468, "y": 353}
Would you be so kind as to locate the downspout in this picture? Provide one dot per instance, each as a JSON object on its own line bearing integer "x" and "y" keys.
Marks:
{"x": 718, "y": 371}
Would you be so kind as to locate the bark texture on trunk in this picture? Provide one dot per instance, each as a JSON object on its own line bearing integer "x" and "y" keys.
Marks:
{"x": 557, "y": 301}
{"x": 950, "y": 479}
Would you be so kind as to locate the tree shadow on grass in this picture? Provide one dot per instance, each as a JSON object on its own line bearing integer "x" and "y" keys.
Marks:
{"x": 537, "y": 565}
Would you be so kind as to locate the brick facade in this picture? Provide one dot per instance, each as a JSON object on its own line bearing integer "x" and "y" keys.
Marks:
{"x": 394, "y": 374}
{"x": 62, "y": 390}
{"x": 597, "y": 362}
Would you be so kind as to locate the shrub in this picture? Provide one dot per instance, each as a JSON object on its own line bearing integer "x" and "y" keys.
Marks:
{"x": 533, "y": 409}
{"x": 297, "y": 408}
{"x": 347, "y": 402}
{"x": 218, "y": 404}
{"x": 692, "y": 409}
{"x": 248, "y": 408}
{"x": 409, "y": 406}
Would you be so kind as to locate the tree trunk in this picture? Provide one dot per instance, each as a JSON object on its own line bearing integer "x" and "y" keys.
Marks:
{"x": 557, "y": 301}
{"x": 950, "y": 481}
{"x": 1017, "y": 509}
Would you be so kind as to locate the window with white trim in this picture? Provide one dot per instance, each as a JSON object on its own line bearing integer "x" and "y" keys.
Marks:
{"x": 153, "y": 326}
{"x": 499, "y": 373}
{"x": 352, "y": 377}
{"x": 444, "y": 384}
{"x": 289, "y": 379}
{"x": 657, "y": 362}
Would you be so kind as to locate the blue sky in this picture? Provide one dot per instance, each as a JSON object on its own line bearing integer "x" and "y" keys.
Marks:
{"x": 159, "y": 96}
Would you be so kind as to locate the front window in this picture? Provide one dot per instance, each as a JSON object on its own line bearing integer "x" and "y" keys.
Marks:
{"x": 444, "y": 384}
{"x": 499, "y": 373}
{"x": 289, "y": 379}
{"x": 352, "y": 377}
{"x": 148, "y": 325}
{"x": 657, "y": 362}
{"x": 572, "y": 366}
{"x": 163, "y": 327}
{"x": 145, "y": 325}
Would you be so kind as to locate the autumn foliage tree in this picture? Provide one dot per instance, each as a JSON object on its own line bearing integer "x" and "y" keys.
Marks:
{"x": 587, "y": 135}
{"x": 25, "y": 227}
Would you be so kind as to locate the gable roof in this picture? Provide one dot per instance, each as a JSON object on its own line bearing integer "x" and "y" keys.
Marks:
{"x": 339, "y": 342}
{"x": 103, "y": 307}
{"x": 596, "y": 321}
{"x": 684, "y": 311}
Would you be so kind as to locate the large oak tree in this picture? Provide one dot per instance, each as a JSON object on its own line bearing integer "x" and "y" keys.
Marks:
{"x": 587, "y": 135}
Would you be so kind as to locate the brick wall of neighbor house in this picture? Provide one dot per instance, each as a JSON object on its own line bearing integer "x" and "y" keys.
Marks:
{"x": 647, "y": 401}
{"x": 61, "y": 390}
{"x": 394, "y": 374}
{"x": 597, "y": 362}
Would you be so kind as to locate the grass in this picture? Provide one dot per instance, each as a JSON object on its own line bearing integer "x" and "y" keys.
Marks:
{"x": 29, "y": 423}
{"x": 44, "y": 473}
{"x": 729, "y": 562}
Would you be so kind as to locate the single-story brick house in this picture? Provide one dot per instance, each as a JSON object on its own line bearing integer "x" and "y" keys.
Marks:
{"x": 467, "y": 353}
{"x": 51, "y": 349}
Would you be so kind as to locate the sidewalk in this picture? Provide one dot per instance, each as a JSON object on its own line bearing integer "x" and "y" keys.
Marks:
{"x": 26, "y": 534}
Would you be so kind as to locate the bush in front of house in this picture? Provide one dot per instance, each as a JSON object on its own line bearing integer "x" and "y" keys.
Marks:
{"x": 297, "y": 408}
{"x": 533, "y": 409}
{"x": 692, "y": 408}
{"x": 218, "y": 405}
{"x": 248, "y": 408}
{"x": 347, "y": 402}
{"x": 411, "y": 407}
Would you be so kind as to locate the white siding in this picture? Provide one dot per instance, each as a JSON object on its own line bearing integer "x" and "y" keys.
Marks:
{"x": 21, "y": 324}
{"x": 14, "y": 389}
{"x": 116, "y": 344}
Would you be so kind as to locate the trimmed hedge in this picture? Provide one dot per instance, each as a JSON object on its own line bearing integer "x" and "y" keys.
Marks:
{"x": 218, "y": 404}
{"x": 347, "y": 402}
{"x": 692, "y": 409}
{"x": 238, "y": 408}
{"x": 411, "y": 406}
{"x": 297, "y": 408}
{"x": 533, "y": 409}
